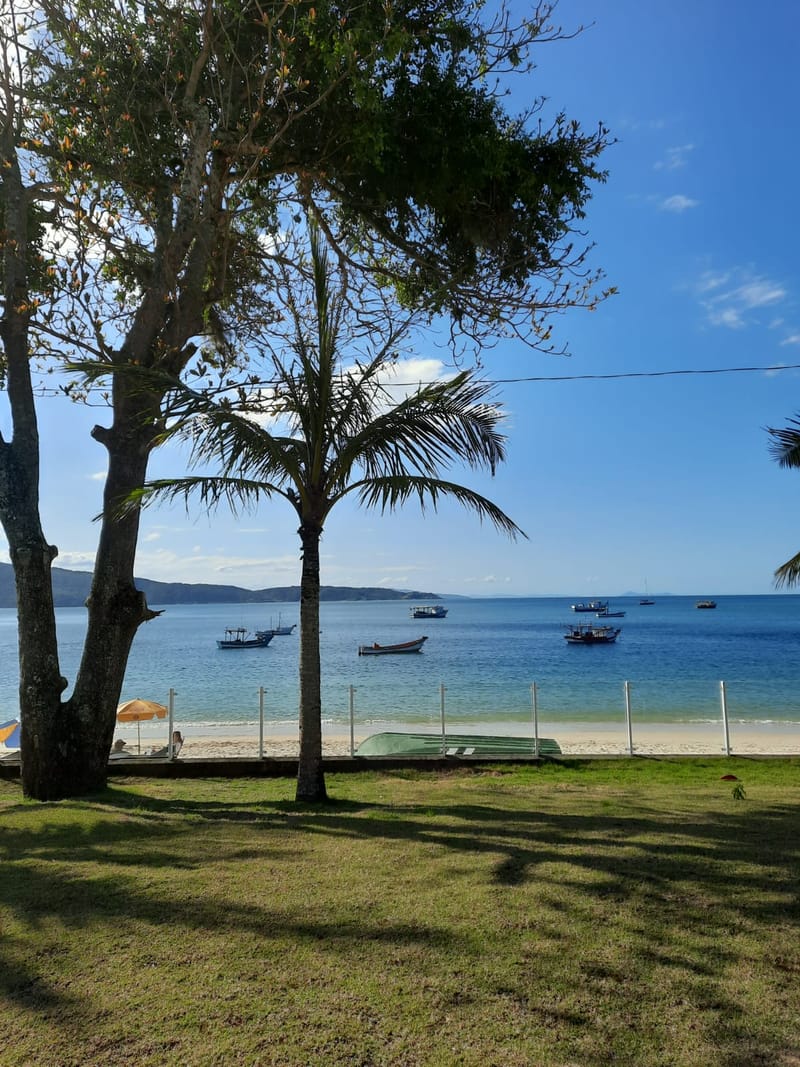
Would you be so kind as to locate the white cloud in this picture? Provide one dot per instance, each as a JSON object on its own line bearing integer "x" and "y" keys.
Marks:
{"x": 729, "y": 316}
{"x": 735, "y": 299}
{"x": 98, "y": 476}
{"x": 709, "y": 281}
{"x": 675, "y": 157}
{"x": 164, "y": 565}
{"x": 678, "y": 204}
{"x": 486, "y": 579}
{"x": 760, "y": 292}
{"x": 793, "y": 339}
{"x": 75, "y": 560}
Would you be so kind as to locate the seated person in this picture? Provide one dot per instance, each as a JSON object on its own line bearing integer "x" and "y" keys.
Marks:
{"x": 177, "y": 744}
{"x": 118, "y": 749}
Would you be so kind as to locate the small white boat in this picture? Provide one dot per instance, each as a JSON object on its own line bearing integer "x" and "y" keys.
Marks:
{"x": 386, "y": 650}
{"x": 706, "y": 604}
{"x": 428, "y": 611}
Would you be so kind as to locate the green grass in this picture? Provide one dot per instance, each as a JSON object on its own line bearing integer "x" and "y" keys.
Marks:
{"x": 626, "y": 912}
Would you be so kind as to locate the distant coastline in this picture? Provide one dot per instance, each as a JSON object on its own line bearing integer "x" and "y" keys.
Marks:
{"x": 71, "y": 588}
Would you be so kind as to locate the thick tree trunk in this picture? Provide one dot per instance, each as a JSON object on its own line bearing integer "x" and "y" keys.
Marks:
{"x": 310, "y": 776}
{"x": 47, "y": 740}
{"x": 116, "y": 608}
{"x": 44, "y": 740}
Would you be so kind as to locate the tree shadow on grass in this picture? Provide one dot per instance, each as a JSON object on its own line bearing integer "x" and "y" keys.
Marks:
{"x": 665, "y": 882}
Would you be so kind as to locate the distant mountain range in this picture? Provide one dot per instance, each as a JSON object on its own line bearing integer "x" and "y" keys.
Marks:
{"x": 71, "y": 588}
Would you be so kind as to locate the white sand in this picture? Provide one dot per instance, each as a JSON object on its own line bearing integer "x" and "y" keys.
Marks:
{"x": 573, "y": 739}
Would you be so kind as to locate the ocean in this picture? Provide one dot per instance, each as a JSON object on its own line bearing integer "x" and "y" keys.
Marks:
{"x": 479, "y": 663}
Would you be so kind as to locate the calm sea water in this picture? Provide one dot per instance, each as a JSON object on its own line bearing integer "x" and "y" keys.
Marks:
{"x": 486, "y": 654}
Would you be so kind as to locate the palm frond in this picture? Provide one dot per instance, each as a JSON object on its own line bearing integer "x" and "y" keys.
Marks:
{"x": 428, "y": 430}
{"x": 387, "y": 493}
{"x": 785, "y": 444}
{"x": 237, "y": 493}
{"x": 788, "y": 574}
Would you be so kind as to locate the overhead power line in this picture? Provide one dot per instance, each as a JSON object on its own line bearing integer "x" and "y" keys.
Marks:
{"x": 642, "y": 374}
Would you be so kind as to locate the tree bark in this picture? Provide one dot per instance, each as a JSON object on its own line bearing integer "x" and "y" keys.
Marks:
{"x": 41, "y": 684}
{"x": 310, "y": 775}
{"x": 116, "y": 608}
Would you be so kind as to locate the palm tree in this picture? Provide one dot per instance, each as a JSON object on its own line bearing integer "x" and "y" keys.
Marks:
{"x": 345, "y": 436}
{"x": 785, "y": 448}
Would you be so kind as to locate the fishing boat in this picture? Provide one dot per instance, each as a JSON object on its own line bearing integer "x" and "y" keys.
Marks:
{"x": 645, "y": 601}
{"x": 706, "y": 604}
{"x": 385, "y": 650}
{"x": 584, "y": 633}
{"x": 610, "y": 614}
{"x": 279, "y": 630}
{"x": 428, "y": 611}
{"x": 238, "y": 637}
{"x": 591, "y": 605}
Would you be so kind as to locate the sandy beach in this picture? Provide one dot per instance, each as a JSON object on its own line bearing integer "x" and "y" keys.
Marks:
{"x": 574, "y": 738}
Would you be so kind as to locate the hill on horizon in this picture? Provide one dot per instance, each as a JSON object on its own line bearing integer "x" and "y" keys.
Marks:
{"x": 71, "y": 588}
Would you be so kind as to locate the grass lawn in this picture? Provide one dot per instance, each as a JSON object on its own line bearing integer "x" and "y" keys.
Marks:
{"x": 615, "y": 912}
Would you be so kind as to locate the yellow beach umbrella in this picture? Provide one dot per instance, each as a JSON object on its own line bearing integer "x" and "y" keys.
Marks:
{"x": 140, "y": 711}
{"x": 9, "y": 733}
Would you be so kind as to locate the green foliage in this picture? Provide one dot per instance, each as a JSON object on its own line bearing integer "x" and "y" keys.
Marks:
{"x": 164, "y": 122}
{"x": 785, "y": 449}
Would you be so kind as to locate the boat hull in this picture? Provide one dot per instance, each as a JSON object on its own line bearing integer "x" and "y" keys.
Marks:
{"x": 255, "y": 643}
{"x": 392, "y": 650}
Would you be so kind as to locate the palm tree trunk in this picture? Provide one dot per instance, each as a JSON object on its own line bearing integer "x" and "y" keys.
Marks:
{"x": 310, "y": 776}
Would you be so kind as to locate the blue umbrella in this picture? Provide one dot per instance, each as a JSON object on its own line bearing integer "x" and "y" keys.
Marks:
{"x": 9, "y": 733}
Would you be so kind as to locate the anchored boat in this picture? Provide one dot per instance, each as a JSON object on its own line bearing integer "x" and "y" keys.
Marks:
{"x": 385, "y": 650}
{"x": 239, "y": 637}
{"x": 591, "y": 605}
{"x": 428, "y": 611}
{"x": 279, "y": 630}
{"x": 585, "y": 633}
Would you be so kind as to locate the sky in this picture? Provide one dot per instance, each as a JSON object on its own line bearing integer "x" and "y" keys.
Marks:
{"x": 621, "y": 484}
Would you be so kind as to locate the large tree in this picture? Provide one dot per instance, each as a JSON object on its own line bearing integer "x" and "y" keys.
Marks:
{"x": 325, "y": 430}
{"x": 152, "y": 157}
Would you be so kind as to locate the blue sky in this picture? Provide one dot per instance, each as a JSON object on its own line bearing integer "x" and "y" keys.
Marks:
{"x": 663, "y": 480}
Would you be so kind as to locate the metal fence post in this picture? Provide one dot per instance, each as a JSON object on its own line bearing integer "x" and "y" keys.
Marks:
{"x": 628, "y": 717}
{"x": 535, "y": 707}
{"x": 444, "y": 732}
{"x": 352, "y": 720}
{"x": 725, "y": 731}
{"x": 261, "y": 722}
{"x": 170, "y": 746}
